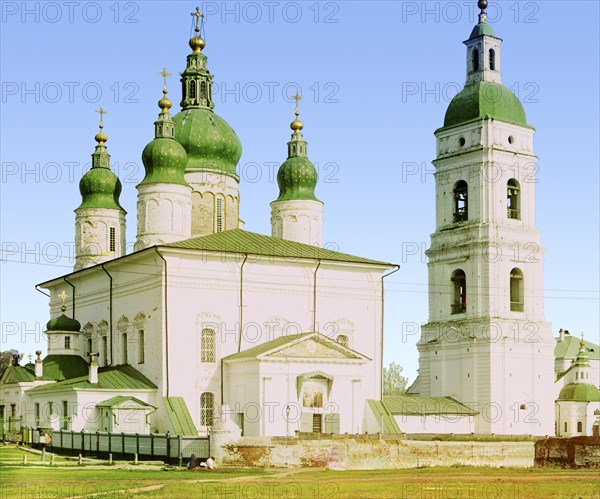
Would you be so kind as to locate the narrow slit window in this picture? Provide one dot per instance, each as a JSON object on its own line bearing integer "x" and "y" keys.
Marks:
{"x": 219, "y": 215}
{"x": 459, "y": 281}
{"x": 112, "y": 239}
{"x": 141, "y": 346}
{"x": 207, "y": 345}
{"x": 124, "y": 350}
{"x": 206, "y": 409}
{"x": 517, "y": 302}
{"x": 513, "y": 199}
{"x": 475, "y": 60}
{"x": 461, "y": 201}
{"x": 492, "y": 59}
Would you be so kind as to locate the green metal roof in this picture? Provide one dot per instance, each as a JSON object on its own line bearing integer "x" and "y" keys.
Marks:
{"x": 122, "y": 377}
{"x": 579, "y": 392}
{"x": 18, "y": 374}
{"x": 179, "y": 415}
{"x": 244, "y": 242}
{"x": 119, "y": 399}
{"x": 482, "y": 29}
{"x": 568, "y": 348}
{"x": 61, "y": 367}
{"x": 485, "y": 99}
{"x": 208, "y": 140}
{"x": 63, "y": 323}
{"x": 383, "y": 416}
{"x": 415, "y": 405}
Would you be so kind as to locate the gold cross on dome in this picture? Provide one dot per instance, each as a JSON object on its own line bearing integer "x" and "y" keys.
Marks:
{"x": 64, "y": 296}
{"x": 101, "y": 111}
{"x": 297, "y": 98}
{"x": 164, "y": 74}
{"x": 197, "y": 15}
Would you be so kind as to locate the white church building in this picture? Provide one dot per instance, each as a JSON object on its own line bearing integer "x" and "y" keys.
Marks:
{"x": 275, "y": 335}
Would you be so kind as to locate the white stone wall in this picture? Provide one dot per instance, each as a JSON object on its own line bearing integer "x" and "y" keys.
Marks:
{"x": 207, "y": 187}
{"x": 92, "y": 236}
{"x": 300, "y": 221}
{"x": 164, "y": 214}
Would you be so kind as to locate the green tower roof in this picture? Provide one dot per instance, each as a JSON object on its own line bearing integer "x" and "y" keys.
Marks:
{"x": 100, "y": 187}
{"x": 482, "y": 29}
{"x": 210, "y": 143}
{"x": 297, "y": 176}
{"x": 164, "y": 158}
{"x": 485, "y": 99}
{"x": 580, "y": 392}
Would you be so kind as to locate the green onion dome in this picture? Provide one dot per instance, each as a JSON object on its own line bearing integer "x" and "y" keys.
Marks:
{"x": 100, "y": 187}
{"x": 63, "y": 323}
{"x": 297, "y": 179}
{"x": 485, "y": 99}
{"x": 297, "y": 176}
{"x": 210, "y": 143}
{"x": 164, "y": 158}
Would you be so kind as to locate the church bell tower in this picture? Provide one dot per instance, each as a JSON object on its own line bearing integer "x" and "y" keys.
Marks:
{"x": 487, "y": 344}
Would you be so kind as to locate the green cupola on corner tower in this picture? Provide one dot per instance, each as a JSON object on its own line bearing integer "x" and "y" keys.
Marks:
{"x": 100, "y": 187}
{"x": 210, "y": 143}
{"x": 484, "y": 96}
{"x": 297, "y": 176}
{"x": 164, "y": 158}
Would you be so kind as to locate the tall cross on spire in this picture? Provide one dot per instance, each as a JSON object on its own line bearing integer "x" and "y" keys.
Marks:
{"x": 101, "y": 111}
{"x": 197, "y": 15}
{"x": 164, "y": 74}
{"x": 297, "y": 98}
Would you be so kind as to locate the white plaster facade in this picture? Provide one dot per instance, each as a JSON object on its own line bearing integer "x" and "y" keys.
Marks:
{"x": 99, "y": 236}
{"x": 298, "y": 220}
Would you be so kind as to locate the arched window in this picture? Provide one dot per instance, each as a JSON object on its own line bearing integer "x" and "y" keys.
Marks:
{"x": 192, "y": 89}
{"x": 207, "y": 345}
{"x": 124, "y": 348}
{"x": 342, "y": 339}
{"x": 89, "y": 346}
{"x": 579, "y": 427}
{"x": 219, "y": 215}
{"x": 206, "y": 409}
{"x": 517, "y": 302}
{"x": 461, "y": 201}
{"x": 475, "y": 60}
{"x": 203, "y": 91}
{"x": 459, "y": 281}
{"x": 513, "y": 199}
{"x": 492, "y": 59}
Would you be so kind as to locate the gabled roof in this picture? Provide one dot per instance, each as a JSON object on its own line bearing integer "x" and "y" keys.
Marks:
{"x": 122, "y": 377}
{"x": 244, "y": 242}
{"x": 179, "y": 415}
{"x": 120, "y": 399}
{"x": 18, "y": 374}
{"x": 568, "y": 348}
{"x": 420, "y": 405}
{"x": 298, "y": 346}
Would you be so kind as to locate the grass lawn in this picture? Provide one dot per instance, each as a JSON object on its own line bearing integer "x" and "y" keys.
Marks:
{"x": 435, "y": 483}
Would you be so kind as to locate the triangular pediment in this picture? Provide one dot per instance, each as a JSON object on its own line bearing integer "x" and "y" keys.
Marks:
{"x": 314, "y": 346}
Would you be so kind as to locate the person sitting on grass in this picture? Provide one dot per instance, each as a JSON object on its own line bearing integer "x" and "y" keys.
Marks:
{"x": 193, "y": 464}
{"x": 209, "y": 465}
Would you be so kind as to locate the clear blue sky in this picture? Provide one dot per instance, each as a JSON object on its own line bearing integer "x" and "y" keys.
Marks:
{"x": 376, "y": 78}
